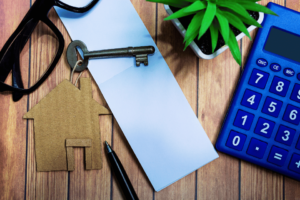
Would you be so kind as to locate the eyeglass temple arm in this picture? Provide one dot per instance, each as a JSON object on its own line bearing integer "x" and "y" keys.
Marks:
{"x": 76, "y": 9}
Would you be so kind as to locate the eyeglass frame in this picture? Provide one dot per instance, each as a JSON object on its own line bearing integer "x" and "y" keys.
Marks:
{"x": 38, "y": 12}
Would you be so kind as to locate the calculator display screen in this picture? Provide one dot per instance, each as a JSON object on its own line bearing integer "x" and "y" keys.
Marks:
{"x": 284, "y": 44}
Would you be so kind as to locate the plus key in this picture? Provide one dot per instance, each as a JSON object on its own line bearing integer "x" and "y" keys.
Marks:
{"x": 295, "y": 163}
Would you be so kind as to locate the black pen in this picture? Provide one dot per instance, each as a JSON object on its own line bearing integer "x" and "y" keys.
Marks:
{"x": 120, "y": 174}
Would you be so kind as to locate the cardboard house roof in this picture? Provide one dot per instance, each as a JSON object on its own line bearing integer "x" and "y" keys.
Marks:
{"x": 66, "y": 113}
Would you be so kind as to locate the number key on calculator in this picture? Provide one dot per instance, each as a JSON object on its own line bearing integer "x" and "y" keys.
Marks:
{"x": 263, "y": 121}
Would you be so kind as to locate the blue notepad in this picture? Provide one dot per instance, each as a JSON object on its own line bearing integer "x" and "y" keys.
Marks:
{"x": 262, "y": 123}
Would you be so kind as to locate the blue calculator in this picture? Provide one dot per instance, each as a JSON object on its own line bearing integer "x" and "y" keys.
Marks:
{"x": 262, "y": 123}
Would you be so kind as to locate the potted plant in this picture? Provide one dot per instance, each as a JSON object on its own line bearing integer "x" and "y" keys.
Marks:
{"x": 217, "y": 23}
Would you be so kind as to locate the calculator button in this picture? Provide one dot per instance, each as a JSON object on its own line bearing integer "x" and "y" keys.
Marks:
{"x": 275, "y": 67}
{"x": 272, "y": 107}
{"x": 243, "y": 120}
{"x": 257, "y": 148}
{"x": 289, "y": 72}
{"x": 277, "y": 156}
{"x": 261, "y": 62}
{"x": 295, "y": 163}
{"x": 264, "y": 127}
{"x": 236, "y": 140}
{"x": 298, "y": 144}
{"x": 280, "y": 86}
{"x": 258, "y": 79}
{"x": 251, "y": 99}
{"x": 296, "y": 93}
{"x": 285, "y": 135}
{"x": 292, "y": 114}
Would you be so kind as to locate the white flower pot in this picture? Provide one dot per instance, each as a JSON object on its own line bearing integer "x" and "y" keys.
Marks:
{"x": 195, "y": 47}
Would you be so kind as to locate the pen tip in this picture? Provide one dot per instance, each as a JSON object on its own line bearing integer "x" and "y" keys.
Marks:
{"x": 108, "y": 148}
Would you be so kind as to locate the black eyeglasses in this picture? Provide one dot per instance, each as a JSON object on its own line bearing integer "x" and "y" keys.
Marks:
{"x": 36, "y": 19}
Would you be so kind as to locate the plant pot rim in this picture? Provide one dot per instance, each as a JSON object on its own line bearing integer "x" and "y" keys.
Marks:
{"x": 195, "y": 47}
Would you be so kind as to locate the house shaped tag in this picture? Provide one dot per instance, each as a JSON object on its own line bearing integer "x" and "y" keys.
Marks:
{"x": 66, "y": 118}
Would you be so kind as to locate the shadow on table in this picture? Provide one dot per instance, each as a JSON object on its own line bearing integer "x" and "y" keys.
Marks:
{"x": 170, "y": 44}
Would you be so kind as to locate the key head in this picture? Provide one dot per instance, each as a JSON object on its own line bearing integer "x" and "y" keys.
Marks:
{"x": 72, "y": 55}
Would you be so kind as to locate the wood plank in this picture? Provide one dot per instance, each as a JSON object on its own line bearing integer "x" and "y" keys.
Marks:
{"x": 12, "y": 126}
{"x": 258, "y": 182}
{"x": 92, "y": 184}
{"x": 137, "y": 176}
{"x": 45, "y": 185}
{"x": 183, "y": 65}
{"x": 217, "y": 81}
{"x": 292, "y": 187}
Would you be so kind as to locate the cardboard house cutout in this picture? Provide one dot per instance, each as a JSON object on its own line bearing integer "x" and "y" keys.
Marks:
{"x": 67, "y": 117}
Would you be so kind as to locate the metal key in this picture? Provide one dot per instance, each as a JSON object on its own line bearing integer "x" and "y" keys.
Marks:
{"x": 140, "y": 54}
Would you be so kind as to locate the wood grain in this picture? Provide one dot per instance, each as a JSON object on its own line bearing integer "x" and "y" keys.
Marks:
{"x": 45, "y": 185}
{"x": 217, "y": 80}
{"x": 207, "y": 84}
{"x": 12, "y": 126}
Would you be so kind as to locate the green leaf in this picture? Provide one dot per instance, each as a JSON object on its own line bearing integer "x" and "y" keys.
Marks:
{"x": 194, "y": 26}
{"x": 190, "y": 40}
{"x": 234, "y": 48}
{"x": 178, "y": 14}
{"x": 196, "y": 6}
{"x": 209, "y": 16}
{"x": 233, "y": 6}
{"x": 236, "y": 22}
{"x": 240, "y": 11}
{"x": 192, "y": 1}
{"x": 257, "y": 7}
{"x": 249, "y": 21}
{"x": 214, "y": 33}
{"x": 224, "y": 26}
{"x": 238, "y": 1}
{"x": 174, "y": 3}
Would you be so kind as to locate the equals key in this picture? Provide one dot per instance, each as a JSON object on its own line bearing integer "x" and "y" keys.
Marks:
{"x": 278, "y": 156}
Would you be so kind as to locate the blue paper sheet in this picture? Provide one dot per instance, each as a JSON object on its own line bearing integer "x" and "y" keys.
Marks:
{"x": 147, "y": 102}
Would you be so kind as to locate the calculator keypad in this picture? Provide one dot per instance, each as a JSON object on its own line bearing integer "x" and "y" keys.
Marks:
{"x": 277, "y": 156}
{"x": 265, "y": 126}
{"x": 296, "y": 93}
{"x": 298, "y": 144}
{"x": 272, "y": 107}
{"x": 259, "y": 78}
{"x": 292, "y": 114}
{"x": 251, "y": 99}
{"x": 236, "y": 140}
{"x": 257, "y": 148}
{"x": 295, "y": 163}
{"x": 280, "y": 86}
{"x": 243, "y": 120}
{"x": 285, "y": 135}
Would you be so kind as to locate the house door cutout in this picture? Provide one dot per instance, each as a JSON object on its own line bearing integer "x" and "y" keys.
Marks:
{"x": 87, "y": 144}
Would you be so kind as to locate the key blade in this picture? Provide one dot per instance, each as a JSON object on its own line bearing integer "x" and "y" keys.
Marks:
{"x": 141, "y": 58}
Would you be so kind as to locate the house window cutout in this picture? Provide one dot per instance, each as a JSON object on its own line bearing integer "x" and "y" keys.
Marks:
{"x": 87, "y": 144}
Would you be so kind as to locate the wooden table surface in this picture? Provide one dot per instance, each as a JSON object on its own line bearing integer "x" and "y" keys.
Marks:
{"x": 208, "y": 86}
